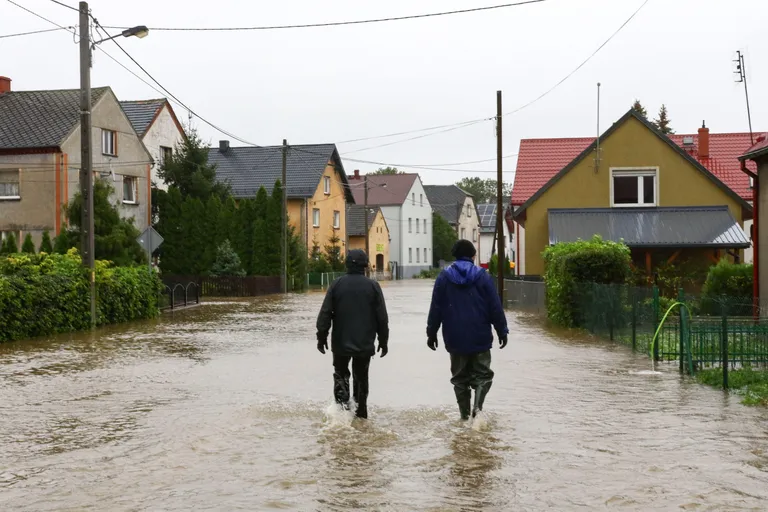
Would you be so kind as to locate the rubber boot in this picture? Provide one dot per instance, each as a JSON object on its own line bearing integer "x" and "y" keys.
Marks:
{"x": 463, "y": 398}
{"x": 480, "y": 393}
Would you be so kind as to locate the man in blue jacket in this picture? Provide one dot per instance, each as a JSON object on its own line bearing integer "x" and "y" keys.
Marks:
{"x": 466, "y": 303}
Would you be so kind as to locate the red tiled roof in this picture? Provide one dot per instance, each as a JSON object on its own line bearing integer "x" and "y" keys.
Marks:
{"x": 760, "y": 146}
{"x": 540, "y": 159}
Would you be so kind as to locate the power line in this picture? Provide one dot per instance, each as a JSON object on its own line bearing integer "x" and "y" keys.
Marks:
{"x": 33, "y": 32}
{"x": 407, "y": 132}
{"x": 65, "y": 5}
{"x": 341, "y": 23}
{"x": 38, "y": 15}
{"x": 569, "y": 75}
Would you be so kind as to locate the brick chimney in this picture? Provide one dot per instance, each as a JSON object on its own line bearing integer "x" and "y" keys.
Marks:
{"x": 703, "y": 141}
{"x": 5, "y": 84}
{"x": 357, "y": 174}
{"x": 223, "y": 146}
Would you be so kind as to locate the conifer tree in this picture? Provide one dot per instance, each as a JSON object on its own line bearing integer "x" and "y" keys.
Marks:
{"x": 640, "y": 109}
{"x": 46, "y": 246}
{"x": 29, "y": 246}
{"x": 227, "y": 261}
{"x": 662, "y": 121}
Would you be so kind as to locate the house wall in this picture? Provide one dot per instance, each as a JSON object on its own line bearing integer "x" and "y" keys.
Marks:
{"x": 327, "y": 204}
{"x": 762, "y": 227}
{"x": 378, "y": 242}
{"x": 416, "y": 239}
{"x": 748, "y": 253}
{"x": 631, "y": 145}
{"x": 393, "y": 216}
{"x": 520, "y": 249}
{"x": 469, "y": 222}
{"x": 163, "y": 132}
{"x": 36, "y": 211}
{"x": 132, "y": 160}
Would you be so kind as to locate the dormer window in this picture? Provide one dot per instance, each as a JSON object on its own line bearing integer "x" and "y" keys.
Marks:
{"x": 634, "y": 187}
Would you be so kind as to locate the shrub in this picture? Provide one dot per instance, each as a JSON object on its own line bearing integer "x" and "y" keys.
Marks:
{"x": 493, "y": 266}
{"x": 431, "y": 273}
{"x": 46, "y": 245}
{"x": 28, "y": 246}
{"x": 567, "y": 265}
{"x": 227, "y": 261}
{"x": 727, "y": 285}
{"x": 9, "y": 245}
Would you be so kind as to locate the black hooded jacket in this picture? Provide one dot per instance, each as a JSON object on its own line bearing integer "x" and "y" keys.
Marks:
{"x": 354, "y": 305}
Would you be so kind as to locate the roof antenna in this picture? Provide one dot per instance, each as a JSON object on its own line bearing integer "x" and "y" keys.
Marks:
{"x": 597, "y": 147}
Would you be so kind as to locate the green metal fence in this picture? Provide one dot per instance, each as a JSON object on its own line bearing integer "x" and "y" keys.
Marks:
{"x": 322, "y": 280}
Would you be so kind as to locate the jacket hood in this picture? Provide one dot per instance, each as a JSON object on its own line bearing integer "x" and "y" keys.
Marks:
{"x": 463, "y": 272}
{"x": 357, "y": 261}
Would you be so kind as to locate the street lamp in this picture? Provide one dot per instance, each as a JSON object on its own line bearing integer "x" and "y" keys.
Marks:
{"x": 86, "y": 161}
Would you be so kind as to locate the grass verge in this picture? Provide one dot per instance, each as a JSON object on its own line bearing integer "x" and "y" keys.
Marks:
{"x": 751, "y": 384}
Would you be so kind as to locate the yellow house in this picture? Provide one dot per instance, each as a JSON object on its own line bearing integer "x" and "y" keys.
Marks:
{"x": 378, "y": 235}
{"x": 642, "y": 188}
{"x": 318, "y": 190}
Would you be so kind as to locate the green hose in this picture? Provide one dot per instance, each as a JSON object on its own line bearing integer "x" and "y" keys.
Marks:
{"x": 661, "y": 324}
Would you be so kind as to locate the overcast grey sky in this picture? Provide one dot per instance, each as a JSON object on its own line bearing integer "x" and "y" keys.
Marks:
{"x": 332, "y": 84}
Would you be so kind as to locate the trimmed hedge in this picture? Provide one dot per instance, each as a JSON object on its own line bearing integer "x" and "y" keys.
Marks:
{"x": 567, "y": 265}
{"x": 728, "y": 285}
{"x": 47, "y": 294}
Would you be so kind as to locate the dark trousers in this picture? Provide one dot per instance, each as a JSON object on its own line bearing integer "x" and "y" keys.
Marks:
{"x": 471, "y": 371}
{"x": 360, "y": 367}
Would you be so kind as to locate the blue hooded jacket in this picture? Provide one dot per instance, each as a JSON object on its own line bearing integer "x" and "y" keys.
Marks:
{"x": 465, "y": 302}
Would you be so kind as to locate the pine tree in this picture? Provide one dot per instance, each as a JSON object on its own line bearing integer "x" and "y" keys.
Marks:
{"x": 189, "y": 170}
{"x": 662, "y": 121}
{"x": 61, "y": 244}
{"x": 260, "y": 236}
{"x": 640, "y": 109}
{"x": 214, "y": 238}
{"x": 226, "y": 218}
{"x": 169, "y": 225}
{"x": 28, "y": 246}
{"x": 227, "y": 261}
{"x": 9, "y": 245}
{"x": 333, "y": 252}
{"x": 46, "y": 246}
{"x": 317, "y": 260}
{"x": 297, "y": 258}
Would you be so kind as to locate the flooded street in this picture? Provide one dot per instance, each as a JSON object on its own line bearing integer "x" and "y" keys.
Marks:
{"x": 222, "y": 407}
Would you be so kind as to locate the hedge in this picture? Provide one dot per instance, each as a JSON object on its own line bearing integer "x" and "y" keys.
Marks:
{"x": 730, "y": 280}
{"x": 567, "y": 265}
{"x": 46, "y": 294}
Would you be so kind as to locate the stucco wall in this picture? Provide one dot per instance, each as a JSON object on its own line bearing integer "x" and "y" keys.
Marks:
{"x": 413, "y": 240}
{"x": 378, "y": 242}
{"x": 469, "y": 222}
{"x": 762, "y": 226}
{"x": 488, "y": 246}
{"x": 163, "y": 132}
{"x": 748, "y": 253}
{"x": 631, "y": 145}
{"x": 327, "y": 204}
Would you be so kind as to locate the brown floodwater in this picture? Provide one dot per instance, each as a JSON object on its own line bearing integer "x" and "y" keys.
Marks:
{"x": 226, "y": 407}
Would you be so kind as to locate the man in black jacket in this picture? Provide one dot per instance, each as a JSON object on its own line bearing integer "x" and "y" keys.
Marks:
{"x": 355, "y": 306}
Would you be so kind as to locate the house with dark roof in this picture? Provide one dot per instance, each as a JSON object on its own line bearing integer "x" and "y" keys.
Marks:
{"x": 317, "y": 187}
{"x": 668, "y": 201}
{"x": 40, "y": 158}
{"x": 378, "y": 235}
{"x": 488, "y": 233}
{"x": 458, "y": 208}
{"x": 406, "y": 208}
{"x": 159, "y": 128}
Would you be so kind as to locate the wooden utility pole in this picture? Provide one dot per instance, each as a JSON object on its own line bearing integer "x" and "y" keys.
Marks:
{"x": 499, "y": 202}
{"x": 284, "y": 237}
{"x": 365, "y": 208}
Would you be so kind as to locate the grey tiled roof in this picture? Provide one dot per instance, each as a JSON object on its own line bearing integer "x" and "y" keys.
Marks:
{"x": 246, "y": 169}
{"x": 141, "y": 113}
{"x": 40, "y": 119}
{"x": 673, "y": 227}
{"x": 447, "y": 200}
{"x": 356, "y": 220}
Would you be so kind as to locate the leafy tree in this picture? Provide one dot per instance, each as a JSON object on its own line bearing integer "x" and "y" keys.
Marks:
{"x": 46, "y": 246}
{"x": 28, "y": 246}
{"x": 640, "y": 109}
{"x": 227, "y": 261}
{"x": 9, "y": 245}
{"x": 386, "y": 170}
{"x": 443, "y": 238}
{"x": 114, "y": 237}
{"x": 484, "y": 191}
{"x": 662, "y": 121}
{"x": 188, "y": 169}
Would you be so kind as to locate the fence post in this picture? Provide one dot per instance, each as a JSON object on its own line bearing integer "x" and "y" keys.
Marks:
{"x": 724, "y": 349}
{"x": 683, "y": 325}
{"x": 633, "y": 293}
{"x": 656, "y": 319}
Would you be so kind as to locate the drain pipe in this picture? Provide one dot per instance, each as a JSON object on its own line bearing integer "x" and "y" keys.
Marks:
{"x": 755, "y": 238}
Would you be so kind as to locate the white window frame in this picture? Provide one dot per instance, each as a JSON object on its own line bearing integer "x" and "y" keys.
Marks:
{"x": 410, "y": 225}
{"x": 108, "y": 138}
{"x": 165, "y": 152}
{"x": 17, "y": 196}
{"x": 410, "y": 255}
{"x": 463, "y": 232}
{"x": 413, "y": 198}
{"x": 425, "y": 226}
{"x": 421, "y": 199}
{"x": 474, "y": 235}
{"x": 418, "y": 255}
{"x": 639, "y": 172}
{"x": 327, "y": 185}
{"x": 336, "y": 219}
{"x": 418, "y": 226}
{"x": 469, "y": 211}
{"x": 134, "y": 189}
{"x": 316, "y": 217}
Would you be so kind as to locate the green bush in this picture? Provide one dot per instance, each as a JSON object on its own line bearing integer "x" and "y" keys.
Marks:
{"x": 46, "y": 245}
{"x": 28, "y": 246}
{"x": 568, "y": 265}
{"x": 47, "y": 294}
{"x": 728, "y": 286}
{"x": 431, "y": 273}
{"x": 493, "y": 266}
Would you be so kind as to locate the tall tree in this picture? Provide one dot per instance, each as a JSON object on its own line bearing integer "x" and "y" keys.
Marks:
{"x": 640, "y": 109}
{"x": 274, "y": 227}
{"x": 386, "y": 170}
{"x": 169, "y": 225}
{"x": 662, "y": 121}
{"x": 317, "y": 259}
{"x": 214, "y": 238}
{"x": 242, "y": 234}
{"x": 483, "y": 191}
{"x": 46, "y": 245}
{"x": 28, "y": 246}
{"x": 297, "y": 258}
{"x": 443, "y": 238}
{"x": 189, "y": 170}
{"x": 333, "y": 252}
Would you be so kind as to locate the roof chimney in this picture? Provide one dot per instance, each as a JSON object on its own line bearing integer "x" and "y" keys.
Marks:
{"x": 5, "y": 84}
{"x": 357, "y": 174}
{"x": 223, "y": 146}
{"x": 703, "y": 141}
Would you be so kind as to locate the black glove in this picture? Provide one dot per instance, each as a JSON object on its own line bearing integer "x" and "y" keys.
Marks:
{"x": 432, "y": 342}
{"x": 383, "y": 348}
{"x": 322, "y": 342}
{"x": 503, "y": 341}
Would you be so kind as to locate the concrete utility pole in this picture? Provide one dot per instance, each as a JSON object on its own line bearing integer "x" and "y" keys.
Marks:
{"x": 86, "y": 165}
{"x": 499, "y": 202}
{"x": 284, "y": 238}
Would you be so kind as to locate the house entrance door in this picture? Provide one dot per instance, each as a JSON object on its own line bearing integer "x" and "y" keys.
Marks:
{"x": 380, "y": 263}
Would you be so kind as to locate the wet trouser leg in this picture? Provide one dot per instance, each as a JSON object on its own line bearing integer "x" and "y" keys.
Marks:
{"x": 341, "y": 379}
{"x": 471, "y": 371}
{"x": 482, "y": 378}
{"x": 360, "y": 366}
{"x": 460, "y": 369}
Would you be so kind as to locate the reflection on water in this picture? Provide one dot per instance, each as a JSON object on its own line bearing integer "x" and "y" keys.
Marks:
{"x": 225, "y": 407}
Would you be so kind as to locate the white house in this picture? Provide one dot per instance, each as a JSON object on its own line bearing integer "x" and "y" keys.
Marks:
{"x": 458, "y": 208}
{"x": 487, "y": 213}
{"x": 406, "y": 208}
{"x": 156, "y": 123}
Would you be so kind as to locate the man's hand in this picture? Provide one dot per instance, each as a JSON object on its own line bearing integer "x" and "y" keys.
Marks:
{"x": 503, "y": 341}
{"x": 432, "y": 342}
{"x": 322, "y": 342}
{"x": 383, "y": 348}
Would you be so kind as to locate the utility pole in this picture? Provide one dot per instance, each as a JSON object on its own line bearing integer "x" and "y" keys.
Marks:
{"x": 365, "y": 211}
{"x": 284, "y": 238}
{"x": 499, "y": 202}
{"x": 741, "y": 70}
{"x": 86, "y": 164}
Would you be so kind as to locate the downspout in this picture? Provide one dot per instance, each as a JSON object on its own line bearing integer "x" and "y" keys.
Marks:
{"x": 517, "y": 254}
{"x": 755, "y": 238}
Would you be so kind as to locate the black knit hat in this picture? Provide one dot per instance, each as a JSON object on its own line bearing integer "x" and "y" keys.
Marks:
{"x": 356, "y": 258}
{"x": 463, "y": 249}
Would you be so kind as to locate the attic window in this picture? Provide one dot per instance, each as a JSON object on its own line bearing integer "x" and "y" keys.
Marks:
{"x": 327, "y": 185}
{"x": 634, "y": 187}
{"x": 108, "y": 142}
